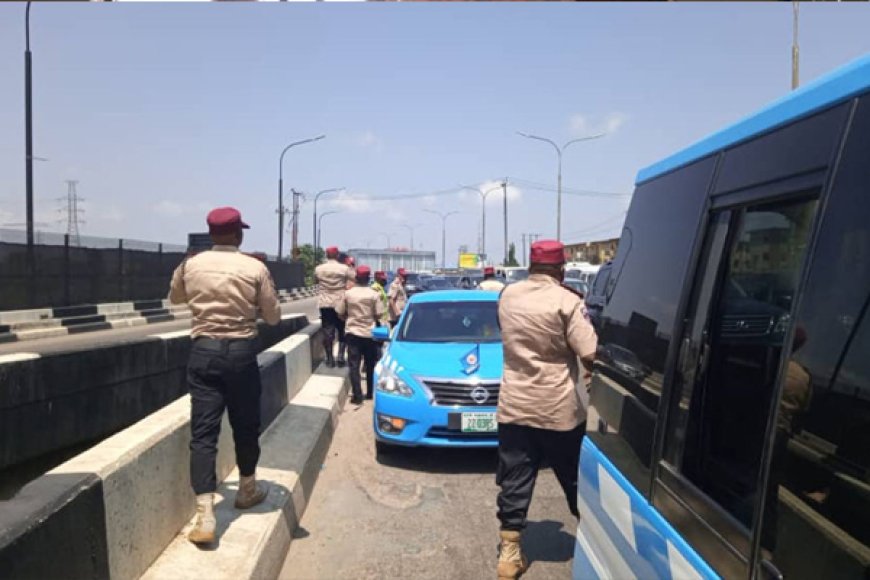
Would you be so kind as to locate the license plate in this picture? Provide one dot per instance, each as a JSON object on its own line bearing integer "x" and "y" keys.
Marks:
{"x": 478, "y": 423}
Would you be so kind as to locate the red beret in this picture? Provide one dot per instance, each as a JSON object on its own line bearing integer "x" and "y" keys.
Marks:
{"x": 332, "y": 251}
{"x": 547, "y": 252}
{"x": 363, "y": 272}
{"x": 350, "y": 261}
{"x": 488, "y": 270}
{"x": 401, "y": 271}
{"x": 225, "y": 220}
{"x": 380, "y": 275}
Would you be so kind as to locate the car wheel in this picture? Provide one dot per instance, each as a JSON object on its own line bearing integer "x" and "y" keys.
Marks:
{"x": 384, "y": 449}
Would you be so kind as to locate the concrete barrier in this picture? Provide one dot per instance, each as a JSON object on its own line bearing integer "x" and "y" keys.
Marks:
{"x": 119, "y": 504}
{"x": 44, "y": 399}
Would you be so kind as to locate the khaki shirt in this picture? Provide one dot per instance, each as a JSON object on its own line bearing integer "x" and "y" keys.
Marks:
{"x": 398, "y": 297}
{"x": 225, "y": 289}
{"x": 544, "y": 330}
{"x": 332, "y": 279}
{"x": 491, "y": 285}
{"x": 362, "y": 308}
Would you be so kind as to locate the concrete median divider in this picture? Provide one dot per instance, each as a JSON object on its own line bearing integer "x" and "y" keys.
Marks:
{"x": 116, "y": 510}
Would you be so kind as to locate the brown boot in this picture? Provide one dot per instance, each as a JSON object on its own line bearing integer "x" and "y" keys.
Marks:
{"x": 251, "y": 492}
{"x": 203, "y": 529}
{"x": 511, "y": 562}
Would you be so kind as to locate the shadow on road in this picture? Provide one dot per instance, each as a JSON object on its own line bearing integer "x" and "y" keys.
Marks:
{"x": 547, "y": 541}
{"x": 440, "y": 460}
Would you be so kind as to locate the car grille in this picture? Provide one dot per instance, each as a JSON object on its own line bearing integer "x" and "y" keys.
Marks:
{"x": 447, "y": 433}
{"x": 746, "y": 324}
{"x": 450, "y": 393}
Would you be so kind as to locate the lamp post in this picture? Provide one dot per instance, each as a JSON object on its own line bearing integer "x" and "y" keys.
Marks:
{"x": 443, "y": 217}
{"x": 320, "y": 225}
{"x": 483, "y": 195}
{"x": 559, "y": 151}
{"x": 410, "y": 229}
{"x": 317, "y": 195}
{"x": 281, "y": 190}
{"x": 28, "y": 132}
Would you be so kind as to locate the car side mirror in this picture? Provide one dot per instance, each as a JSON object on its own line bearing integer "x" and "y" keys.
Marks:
{"x": 381, "y": 333}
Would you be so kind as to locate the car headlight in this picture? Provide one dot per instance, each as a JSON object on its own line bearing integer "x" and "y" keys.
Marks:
{"x": 389, "y": 382}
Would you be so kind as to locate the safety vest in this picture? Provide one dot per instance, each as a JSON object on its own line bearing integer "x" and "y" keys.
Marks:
{"x": 376, "y": 286}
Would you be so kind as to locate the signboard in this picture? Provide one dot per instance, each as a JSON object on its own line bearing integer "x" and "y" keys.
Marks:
{"x": 469, "y": 260}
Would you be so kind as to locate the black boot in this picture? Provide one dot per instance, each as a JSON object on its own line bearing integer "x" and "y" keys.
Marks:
{"x": 340, "y": 361}
{"x": 327, "y": 351}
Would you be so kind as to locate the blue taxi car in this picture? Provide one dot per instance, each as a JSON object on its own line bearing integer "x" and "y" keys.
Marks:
{"x": 438, "y": 380}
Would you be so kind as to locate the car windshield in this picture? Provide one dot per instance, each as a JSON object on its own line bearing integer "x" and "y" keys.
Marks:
{"x": 516, "y": 275}
{"x": 438, "y": 284}
{"x": 451, "y": 322}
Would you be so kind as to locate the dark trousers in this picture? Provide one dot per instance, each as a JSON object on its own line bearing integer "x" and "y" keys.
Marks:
{"x": 332, "y": 324}
{"x": 361, "y": 349}
{"x": 223, "y": 374}
{"x": 521, "y": 450}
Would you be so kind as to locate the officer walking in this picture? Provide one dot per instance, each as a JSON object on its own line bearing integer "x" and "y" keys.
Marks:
{"x": 363, "y": 310}
{"x": 397, "y": 297}
{"x": 225, "y": 291}
{"x": 490, "y": 283}
{"x": 332, "y": 278}
{"x": 545, "y": 330}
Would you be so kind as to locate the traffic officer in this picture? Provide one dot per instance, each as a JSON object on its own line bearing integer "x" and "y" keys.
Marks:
{"x": 332, "y": 279}
{"x": 225, "y": 291}
{"x": 545, "y": 331}
{"x": 490, "y": 282}
{"x": 397, "y": 297}
{"x": 363, "y": 310}
{"x": 378, "y": 285}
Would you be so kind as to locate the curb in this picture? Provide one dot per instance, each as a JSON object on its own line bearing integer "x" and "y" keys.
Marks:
{"x": 253, "y": 544}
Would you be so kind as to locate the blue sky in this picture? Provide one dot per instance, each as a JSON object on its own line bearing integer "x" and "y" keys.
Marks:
{"x": 162, "y": 111}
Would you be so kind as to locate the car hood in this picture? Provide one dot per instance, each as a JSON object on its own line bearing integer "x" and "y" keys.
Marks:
{"x": 444, "y": 360}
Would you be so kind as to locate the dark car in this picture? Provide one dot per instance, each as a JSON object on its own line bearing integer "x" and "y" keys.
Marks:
{"x": 581, "y": 288}
{"x": 437, "y": 283}
{"x": 596, "y": 296}
{"x": 470, "y": 282}
{"x": 414, "y": 282}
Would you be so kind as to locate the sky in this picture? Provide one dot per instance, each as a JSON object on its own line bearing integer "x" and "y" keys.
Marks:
{"x": 164, "y": 111}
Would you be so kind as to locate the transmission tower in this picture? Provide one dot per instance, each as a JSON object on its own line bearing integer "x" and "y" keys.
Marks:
{"x": 73, "y": 212}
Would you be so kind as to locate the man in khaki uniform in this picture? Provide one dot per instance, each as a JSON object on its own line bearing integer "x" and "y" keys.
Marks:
{"x": 490, "y": 283}
{"x": 332, "y": 279}
{"x": 363, "y": 310}
{"x": 225, "y": 291}
{"x": 545, "y": 330}
{"x": 397, "y": 297}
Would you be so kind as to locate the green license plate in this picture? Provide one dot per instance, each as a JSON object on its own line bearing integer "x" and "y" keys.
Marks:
{"x": 479, "y": 423}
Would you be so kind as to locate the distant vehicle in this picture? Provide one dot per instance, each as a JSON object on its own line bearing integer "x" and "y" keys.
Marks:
{"x": 729, "y": 407}
{"x": 414, "y": 282}
{"x": 511, "y": 274}
{"x": 470, "y": 282}
{"x": 437, "y": 283}
{"x": 581, "y": 287}
{"x": 438, "y": 381}
{"x": 454, "y": 280}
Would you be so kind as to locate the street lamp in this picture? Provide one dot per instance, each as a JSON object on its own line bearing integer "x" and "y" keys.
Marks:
{"x": 387, "y": 236}
{"x": 559, "y": 179}
{"x": 483, "y": 195}
{"x": 316, "y": 197}
{"x": 320, "y": 224}
{"x": 443, "y": 217}
{"x": 28, "y": 132}
{"x": 281, "y": 190}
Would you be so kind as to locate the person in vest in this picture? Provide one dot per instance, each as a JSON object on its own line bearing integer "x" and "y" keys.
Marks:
{"x": 363, "y": 310}
{"x": 332, "y": 279}
{"x": 490, "y": 282}
{"x": 379, "y": 285}
{"x": 541, "y": 417}
{"x": 226, "y": 292}
{"x": 397, "y": 297}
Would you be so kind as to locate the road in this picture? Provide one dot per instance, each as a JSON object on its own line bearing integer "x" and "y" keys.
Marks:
{"x": 86, "y": 340}
{"x": 426, "y": 513}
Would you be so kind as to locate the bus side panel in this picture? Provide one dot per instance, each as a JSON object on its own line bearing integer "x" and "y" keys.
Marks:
{"x": 620, "y": 535}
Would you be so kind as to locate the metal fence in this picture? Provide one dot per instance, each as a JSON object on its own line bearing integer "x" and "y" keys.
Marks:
{"x": 65, "y": 270}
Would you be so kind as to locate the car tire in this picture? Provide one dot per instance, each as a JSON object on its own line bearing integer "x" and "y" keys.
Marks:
{"x": 384, "y": 449}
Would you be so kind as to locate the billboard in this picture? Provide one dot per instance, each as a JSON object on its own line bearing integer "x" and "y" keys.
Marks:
{"x": 470, "y": 261}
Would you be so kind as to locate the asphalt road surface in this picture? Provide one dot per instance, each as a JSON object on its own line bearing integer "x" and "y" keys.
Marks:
{"x": 423, "y": 513}
{"x": 87, "y": 340}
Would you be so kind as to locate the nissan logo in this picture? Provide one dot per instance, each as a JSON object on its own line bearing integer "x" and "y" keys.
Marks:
{"x": 479, "y": 395}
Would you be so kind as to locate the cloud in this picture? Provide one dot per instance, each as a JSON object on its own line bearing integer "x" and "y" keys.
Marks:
{"x": 580, "y": 125}
{"x": 169, "y": 208}
{"x": 111, "y": 214}
{"x": 514, "y": 193}
{"x": 350, "y": 203}
{"x": 369, "y": 140}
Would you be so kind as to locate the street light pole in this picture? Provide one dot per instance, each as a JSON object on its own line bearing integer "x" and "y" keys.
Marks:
{"x": 559, "y": 151}
{"x": 316, "y": 240}
{"x": 443, "y": 217}
{"x": 281, "y": 191}
{"x": 320, "y": 226}
{"x": 795, "y": 50}
{"x": 483, "y": 195}
{"x": 28, "y": 131}
{"x": 410, "y": 229}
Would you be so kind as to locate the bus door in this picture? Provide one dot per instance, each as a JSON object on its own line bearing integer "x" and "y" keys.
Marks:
{"x": 735, "y": 333}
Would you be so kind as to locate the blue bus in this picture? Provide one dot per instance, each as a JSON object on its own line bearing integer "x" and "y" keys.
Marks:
{"x": 729, "y": 421}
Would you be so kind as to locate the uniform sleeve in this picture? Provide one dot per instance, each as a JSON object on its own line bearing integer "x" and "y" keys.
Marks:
{"x": 581, "y": 335}
{"x": 393, "y": 292}
{"x": 177, "y": 292}
{"x": 341, "y": 307}
{"x": 316, "y": 277}
{"x": 380, "y": 310}
{"x": 350, "y": 277}
{"x": 269, "y": 305}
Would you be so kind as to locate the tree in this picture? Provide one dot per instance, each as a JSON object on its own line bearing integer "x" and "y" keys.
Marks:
{"x": 512, "y": 255}
{"x": 308, "y": 257}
